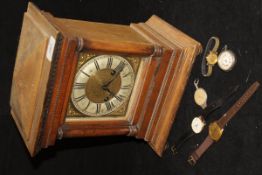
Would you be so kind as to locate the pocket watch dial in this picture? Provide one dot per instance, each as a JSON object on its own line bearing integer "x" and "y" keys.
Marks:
{"x": 226, "y": 60}
{"x": 102, "y": 85}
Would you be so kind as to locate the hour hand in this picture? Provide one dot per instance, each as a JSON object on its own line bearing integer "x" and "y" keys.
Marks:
{"x": 108, "y": 90}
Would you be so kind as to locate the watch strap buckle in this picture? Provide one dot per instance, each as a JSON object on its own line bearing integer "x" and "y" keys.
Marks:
{"x": 191, "y": 160}
{"x": 174, "y": 150}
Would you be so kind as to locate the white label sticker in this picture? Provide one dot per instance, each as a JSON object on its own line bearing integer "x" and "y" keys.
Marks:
{"x": 50, "y": 48}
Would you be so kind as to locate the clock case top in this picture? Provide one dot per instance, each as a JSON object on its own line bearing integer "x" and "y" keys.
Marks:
{"x": 46, "y": 64}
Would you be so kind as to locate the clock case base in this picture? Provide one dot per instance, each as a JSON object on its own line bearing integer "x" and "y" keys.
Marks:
{"x": 42, "y": 84}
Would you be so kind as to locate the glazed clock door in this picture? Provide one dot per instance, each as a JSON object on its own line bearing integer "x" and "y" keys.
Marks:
{"x": 102, "y": 86}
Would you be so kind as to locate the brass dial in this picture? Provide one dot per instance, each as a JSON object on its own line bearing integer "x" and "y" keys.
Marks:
{"x": 102, "y": 85}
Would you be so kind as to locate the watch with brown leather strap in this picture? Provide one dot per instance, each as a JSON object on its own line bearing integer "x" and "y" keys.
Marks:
{"x": 216, "y": 128}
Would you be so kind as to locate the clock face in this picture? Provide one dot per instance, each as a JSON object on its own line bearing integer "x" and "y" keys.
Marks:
{"x": 102, "y": 85}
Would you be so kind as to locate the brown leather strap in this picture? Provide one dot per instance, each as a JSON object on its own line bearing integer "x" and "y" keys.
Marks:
{"x": 238, "y": 105}
{"x": 222, "y": 122}
{"x": 200, "y": 150}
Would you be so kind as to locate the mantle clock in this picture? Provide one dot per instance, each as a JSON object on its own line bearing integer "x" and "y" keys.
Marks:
{"x": 76, "y": 78}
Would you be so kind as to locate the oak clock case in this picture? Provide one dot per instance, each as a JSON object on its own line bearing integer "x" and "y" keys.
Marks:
{"x": 77, "y": 78}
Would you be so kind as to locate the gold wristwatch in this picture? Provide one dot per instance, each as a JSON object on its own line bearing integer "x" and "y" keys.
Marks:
{"x": 210, "y": 56}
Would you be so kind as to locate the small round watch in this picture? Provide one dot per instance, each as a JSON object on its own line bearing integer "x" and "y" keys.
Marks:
{"x": 226, "y": 60}
{"x": 200, "y": 95}
{"x": 197, "y": 124}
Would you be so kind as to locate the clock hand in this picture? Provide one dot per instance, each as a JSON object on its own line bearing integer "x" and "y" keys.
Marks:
{"x": 108, "y": 90}
{"x": 112, "y": 79}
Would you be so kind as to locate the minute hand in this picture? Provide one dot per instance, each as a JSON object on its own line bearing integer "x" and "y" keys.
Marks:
{"x": 112, "y": 79}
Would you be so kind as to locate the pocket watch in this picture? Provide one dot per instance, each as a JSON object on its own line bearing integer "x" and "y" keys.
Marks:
{"x": 200, "y": 95}
{"x": 77, "y": 78}
{"x": 226, "y": 60}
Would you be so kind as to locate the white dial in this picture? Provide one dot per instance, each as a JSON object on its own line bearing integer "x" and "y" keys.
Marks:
{"x": 200, "y": 97}
{"x": 197, "y": 125}
{"x": 226, "y": 60}
{"x": 102, "y": 85}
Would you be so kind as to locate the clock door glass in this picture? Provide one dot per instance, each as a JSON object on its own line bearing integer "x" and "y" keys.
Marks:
{"x": 102, "y": 85}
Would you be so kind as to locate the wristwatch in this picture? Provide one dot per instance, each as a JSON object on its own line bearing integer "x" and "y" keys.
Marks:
{"x": 216, "y": 128}
{"x": 199, "y": 122}
{"x": 210, "y": 56}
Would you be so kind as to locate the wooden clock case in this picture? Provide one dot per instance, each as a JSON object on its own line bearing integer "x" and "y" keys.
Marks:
{"x": 46, "y": 65}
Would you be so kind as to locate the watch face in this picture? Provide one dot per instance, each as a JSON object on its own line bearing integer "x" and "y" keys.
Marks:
{"x": 102, "y": 85}
{"x": 226, "y": 60}
{"x": 197, "y": 125}
{"x": 215, "y": 131}
{"x": 200, "y": 97}
{"x": 212, "y": 58}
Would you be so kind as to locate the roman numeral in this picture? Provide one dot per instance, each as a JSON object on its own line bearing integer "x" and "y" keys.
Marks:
{"x": 98, "y": 107}
{"x": 85, "y": 73}
{"x": 97, "y": 65}
{"x": 109, "y": 62}
{"x": 120, "y": 97}
{"x": 120, "y": 67}
{"x": 126, "y": 87}
{"x": 77, "y": 99}
{"x": 79, "y": 85}
{"x": 126, "y": 74}
{"x": 112, "y": 104}
{"x": 108, "y": 106}
{"x": 87, "y": 105}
